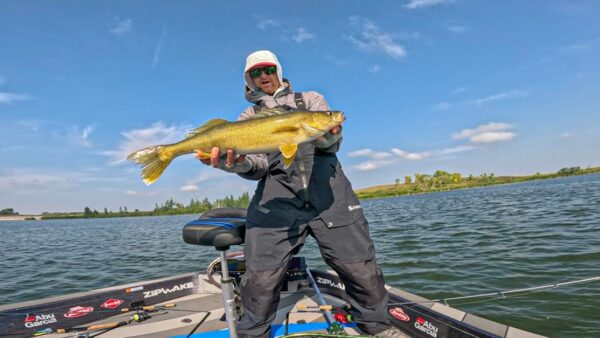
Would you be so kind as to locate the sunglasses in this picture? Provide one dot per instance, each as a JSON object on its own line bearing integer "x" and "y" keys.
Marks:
{"x": 255, "y": 73}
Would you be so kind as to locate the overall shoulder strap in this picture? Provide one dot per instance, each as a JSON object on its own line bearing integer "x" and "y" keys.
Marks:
{"x": 299, "y": 101}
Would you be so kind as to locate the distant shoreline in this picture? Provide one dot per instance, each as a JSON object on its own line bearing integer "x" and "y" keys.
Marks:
{"x": 423, "y": 184}
{"x": 20, "y": 217}
{"x": 431, "y": 183}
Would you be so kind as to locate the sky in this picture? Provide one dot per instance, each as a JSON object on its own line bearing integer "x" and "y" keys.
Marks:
{"x": 504, "y": 87}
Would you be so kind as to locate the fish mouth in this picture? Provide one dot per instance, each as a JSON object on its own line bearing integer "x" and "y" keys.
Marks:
{"x": 339, "y": 117}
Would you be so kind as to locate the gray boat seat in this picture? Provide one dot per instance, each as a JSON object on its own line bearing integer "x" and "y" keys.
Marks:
{"x": 219, "y": 228}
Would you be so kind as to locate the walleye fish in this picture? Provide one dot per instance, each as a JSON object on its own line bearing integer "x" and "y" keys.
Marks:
{"x": 270, "y": 130}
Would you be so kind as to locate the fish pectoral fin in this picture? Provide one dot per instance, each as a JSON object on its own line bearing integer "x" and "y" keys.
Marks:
{"x": 285, "y": 129}
{"x": 289, "y": 153}
{"x": 202, "y": 155}
{"x": 210, "y": 124}
{"x": 310, "y": 129}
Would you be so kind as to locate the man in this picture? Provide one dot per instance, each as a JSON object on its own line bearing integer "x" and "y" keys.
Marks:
{"x": 312, "y": 196}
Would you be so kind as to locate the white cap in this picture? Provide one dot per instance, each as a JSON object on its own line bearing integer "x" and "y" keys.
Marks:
{"x": 261, "y": 58}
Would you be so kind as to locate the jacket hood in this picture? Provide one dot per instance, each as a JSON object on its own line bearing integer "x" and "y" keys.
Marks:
{"x": 261, "y": 58}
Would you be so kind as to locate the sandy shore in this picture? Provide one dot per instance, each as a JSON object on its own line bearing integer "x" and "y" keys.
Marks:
{"x": 19, "y": 217}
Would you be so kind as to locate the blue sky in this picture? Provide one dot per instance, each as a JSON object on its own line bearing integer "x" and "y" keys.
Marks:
{"x": 509, "y": 87}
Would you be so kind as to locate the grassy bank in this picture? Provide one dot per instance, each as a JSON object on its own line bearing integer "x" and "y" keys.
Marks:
{"x": 443, "y": 181}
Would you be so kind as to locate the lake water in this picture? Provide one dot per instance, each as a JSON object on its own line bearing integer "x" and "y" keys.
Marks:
{"x": 436, "y": 245}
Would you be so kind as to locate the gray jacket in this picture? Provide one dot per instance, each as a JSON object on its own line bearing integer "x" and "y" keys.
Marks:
{"x": 314, "y": 181}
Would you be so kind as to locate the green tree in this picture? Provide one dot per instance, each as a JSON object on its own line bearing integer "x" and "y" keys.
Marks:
{"x": 407, "y": 180}
{"x": 456, "y": 178}
{"x": 87, "y": 212}
{"x": 8, "y": 211}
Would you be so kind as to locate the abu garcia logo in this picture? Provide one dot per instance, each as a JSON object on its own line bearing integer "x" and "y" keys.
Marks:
{"x": 423, "y": 325}
{"x": 33, "y": 320}
{"x": 180, "y": 287}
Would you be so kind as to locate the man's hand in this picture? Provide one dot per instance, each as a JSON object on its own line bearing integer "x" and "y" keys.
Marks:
{"x": 229, "y": 162}
{"x": 329, "y": 139}
{"x": 333, "y": 131}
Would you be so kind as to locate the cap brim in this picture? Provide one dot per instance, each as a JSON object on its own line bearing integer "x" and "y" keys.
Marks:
{"x": 261, "y": 64}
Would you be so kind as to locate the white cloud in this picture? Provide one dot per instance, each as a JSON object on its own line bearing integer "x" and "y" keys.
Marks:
{"x": 458, "y": 90}
{"x": 158, "y": 48}
{"x": 264, "y": 24}
{"x": 336, "y": 61}
{"x": 371, "y": 165}
{"x": 566, "y": 135}
{"x": 454, "y": 150}
{"x": 577, "y": 47}
{"x": 79, "y": 137}
{"x": 495, "y": 136}
{"x": 8, "y": 98}
{"x": 443, "y": 106}
{"x": 500, "y": 96}
{"x": 301, "y": 35}
{"x": 374, "y": 155}
{"x": 457, "y": 28}
{"x": 378, "y": 159}
{"x": 189, "y": 187}
{"x": 208, "y": 175}
{"x": 513, "y": 94}
{"x": 33, "y": 180}
{"x": 147, "y": 193}
{"x": 360, "y": 152}
{"x": 372, "y": 39}
{"x": 583, "y": 45}
{"x": 487, "y": 133}
{"x": 137, "y": 139}
{"x": 122, "y": 28}
{"x": 410, "y": 156}
{"x": 484, "y": 128}
{"x": 375, "y": 68}
{"x": 416, "y": 4}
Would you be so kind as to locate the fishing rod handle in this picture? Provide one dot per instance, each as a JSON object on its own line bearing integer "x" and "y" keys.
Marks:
{"x": 151, "y": 307}
{"x": 320, "y": 307}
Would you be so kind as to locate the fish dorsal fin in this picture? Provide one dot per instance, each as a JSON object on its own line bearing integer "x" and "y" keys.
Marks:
{"x": 269, "y": 112}
{"x": 210, "y": 124}
{"x": 289, "y": 152}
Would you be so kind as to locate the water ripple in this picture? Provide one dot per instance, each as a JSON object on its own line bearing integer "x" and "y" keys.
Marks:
{"x": 439, "y": 245}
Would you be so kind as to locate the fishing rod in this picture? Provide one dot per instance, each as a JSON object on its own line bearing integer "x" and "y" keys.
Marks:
{"x": 149, "y": 308}
{"x": 334, "y": 326}
{"x": 141, "y": 314}
{"x": 506, "y": 293}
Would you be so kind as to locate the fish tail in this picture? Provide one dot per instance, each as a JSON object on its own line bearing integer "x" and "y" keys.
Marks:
{"x": 154, "y": 160}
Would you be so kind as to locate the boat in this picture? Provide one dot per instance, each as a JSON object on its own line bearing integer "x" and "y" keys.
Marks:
{"x": 207, "y": 304}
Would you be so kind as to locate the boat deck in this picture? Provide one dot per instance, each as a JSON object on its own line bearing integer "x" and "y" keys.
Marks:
{"x": 183, "y": 319}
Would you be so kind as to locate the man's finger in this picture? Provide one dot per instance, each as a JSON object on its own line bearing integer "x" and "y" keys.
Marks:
{"x": 215, "y": 157}
{"x": 241, "y": 159}
{"x": 230, "y": 156}
{"x": 335, "y": 130}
